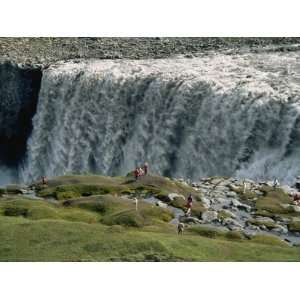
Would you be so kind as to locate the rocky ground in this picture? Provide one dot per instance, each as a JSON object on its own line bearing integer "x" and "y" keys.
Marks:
{"x": 244, "y": 220}
{"x": 251, "y": 207}
{"x": 40, "y": 52}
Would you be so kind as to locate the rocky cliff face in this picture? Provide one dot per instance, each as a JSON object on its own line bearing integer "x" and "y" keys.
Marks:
{"x": 19, "y": 88}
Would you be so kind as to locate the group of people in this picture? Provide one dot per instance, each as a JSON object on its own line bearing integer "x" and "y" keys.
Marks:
{"x": 141, "y": 171}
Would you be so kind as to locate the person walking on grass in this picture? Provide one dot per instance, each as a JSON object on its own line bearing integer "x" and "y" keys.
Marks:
{"x": 180, "y": 228}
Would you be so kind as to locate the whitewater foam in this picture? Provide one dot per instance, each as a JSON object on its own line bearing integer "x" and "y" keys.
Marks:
{"x": 231, "y": 115}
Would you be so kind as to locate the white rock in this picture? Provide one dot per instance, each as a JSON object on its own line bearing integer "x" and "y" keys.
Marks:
{"x": 209, "y": 216}
{"x": 172, "y": 196}
{"x": 265, "y": 219}
{"x": 280, "y": 229}
{"x": 230, "y": 221}
{"x": 231, "y": 194}
{"x": 161, "y": 204}
{"x": 206, "y": 202}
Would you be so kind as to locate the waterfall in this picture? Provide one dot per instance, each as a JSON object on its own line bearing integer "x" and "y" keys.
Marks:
{"x": 229, "y": 115}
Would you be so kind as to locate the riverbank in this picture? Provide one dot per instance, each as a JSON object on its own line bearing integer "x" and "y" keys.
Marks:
{"x": 94, "y": 218}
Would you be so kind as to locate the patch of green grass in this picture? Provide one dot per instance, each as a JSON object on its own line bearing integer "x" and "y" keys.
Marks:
{"x": 215, "y": 233}
{"x": 223, "y": 215}
{"x": 268, "y": 240}
{"x": 294, "y": 226}
{"x": 269, "y": 225}
{"x": 59, "y": 240}
{"x": 271, "y": 201}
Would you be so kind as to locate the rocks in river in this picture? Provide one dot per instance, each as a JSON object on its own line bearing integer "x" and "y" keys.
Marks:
{"x": 209, "y": 216}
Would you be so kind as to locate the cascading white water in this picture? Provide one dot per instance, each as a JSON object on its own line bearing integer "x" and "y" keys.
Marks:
{"x": 219, "y": 115}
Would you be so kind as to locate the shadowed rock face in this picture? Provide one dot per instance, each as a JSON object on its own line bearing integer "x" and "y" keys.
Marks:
{"x": 19, "y": 88}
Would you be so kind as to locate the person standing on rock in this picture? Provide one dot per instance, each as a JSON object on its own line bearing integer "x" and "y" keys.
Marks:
{"x": 146, "y": 167}
{"x": 275, "y": 183}
{"x": 244, "y": 186}
{"x": 189, "y": 205}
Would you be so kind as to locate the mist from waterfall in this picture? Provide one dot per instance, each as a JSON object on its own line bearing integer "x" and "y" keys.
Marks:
{"x": 229, "y": 115}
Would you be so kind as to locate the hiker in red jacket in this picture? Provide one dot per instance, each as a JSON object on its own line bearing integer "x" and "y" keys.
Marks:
{"x": 189, "y": 204}
{"x": 146, "y": 166}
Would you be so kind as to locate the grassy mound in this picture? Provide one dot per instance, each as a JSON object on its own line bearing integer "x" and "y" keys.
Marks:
{"x": 270, "y": 203}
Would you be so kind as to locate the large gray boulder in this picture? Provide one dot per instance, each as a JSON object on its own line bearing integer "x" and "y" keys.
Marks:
{"x": 209, "y": 216}
{"x": 231, "y": 222}
{"x": 206, "y": 202}
{"x": 280, "y": 229}
{"x": 239, "y": 205}
{"x": 172, "y": 196}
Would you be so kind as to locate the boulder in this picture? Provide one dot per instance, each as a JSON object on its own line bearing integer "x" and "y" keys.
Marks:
{"x": 295, "y": 208}
{"x": 189, "y": 220}
{"x": 265, "y": 219}
{"x": 209, "y": 216}
{"x": 231, "y": 194}
{"x": 161, "y": 204}
{"x": 206, "y": 202}
{"x": 172, "y": 196}
{"x": 231, "y": 222}
{"x": 241, "y": 206}
{"x": 253, "y": 227}
{"x": 280, "y": 229}
{"x": 16, "y": 189}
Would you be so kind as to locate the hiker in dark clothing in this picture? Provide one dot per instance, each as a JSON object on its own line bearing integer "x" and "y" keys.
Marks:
{"x": 44, "y": 180}
{"x": 180, "y": 228}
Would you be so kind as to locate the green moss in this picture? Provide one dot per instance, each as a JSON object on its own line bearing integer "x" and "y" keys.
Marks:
{"x": 67, "y": 195}
{"x": 207, "y": 232}
{"x": 15, "y": 211}
{"x": 294, "y": 226}
{"x": 223, "y": 215}
{"x": 235, "y": 235}
{"x": 268, "y": 240}
{"x": 272, "y": 200}
{"x": 269, "y": 225}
